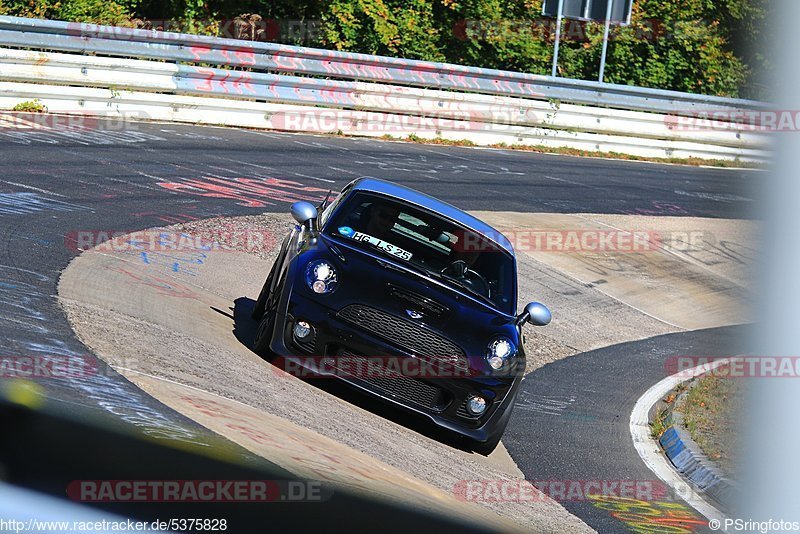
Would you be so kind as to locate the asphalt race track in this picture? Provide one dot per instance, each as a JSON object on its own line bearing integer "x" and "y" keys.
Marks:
{"x": 572, "y": 417}
{"x": 55, "y": 184}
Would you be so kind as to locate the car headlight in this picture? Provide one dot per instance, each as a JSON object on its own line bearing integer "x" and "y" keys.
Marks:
{"x": 499, "y": 352}
{"x": 321, "y": 277}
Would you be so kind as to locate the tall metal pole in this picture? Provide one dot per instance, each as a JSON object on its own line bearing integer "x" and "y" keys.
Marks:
{"x": 605, "y": 40}
{"x": 558, "y": 37}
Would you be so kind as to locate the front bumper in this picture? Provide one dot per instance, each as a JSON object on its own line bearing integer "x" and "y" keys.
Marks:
{"x": 441, "y": 398}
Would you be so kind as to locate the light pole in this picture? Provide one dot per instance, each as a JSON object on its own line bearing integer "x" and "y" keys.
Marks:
{"x": 605, "y": 40}
{"x": 558, "y": 37}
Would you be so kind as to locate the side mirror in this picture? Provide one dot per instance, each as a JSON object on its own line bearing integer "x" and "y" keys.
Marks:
{"x": 536, "y": 314}
{"x": 303, "y": 212}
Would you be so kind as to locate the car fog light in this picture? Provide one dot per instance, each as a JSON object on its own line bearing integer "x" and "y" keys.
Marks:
{"x": 476, "y": 405}
{"x": 319, "y": 286}
{"x": 496, "y": 362}
{"x": 302, "y": 330}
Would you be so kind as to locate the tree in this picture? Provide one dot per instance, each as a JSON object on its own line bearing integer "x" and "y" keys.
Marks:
{"x": 402, "y": 28}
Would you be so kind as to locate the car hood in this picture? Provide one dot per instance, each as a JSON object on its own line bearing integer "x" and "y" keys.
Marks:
{"x": 379, "y": 282}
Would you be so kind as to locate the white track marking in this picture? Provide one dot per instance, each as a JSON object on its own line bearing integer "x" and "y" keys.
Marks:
{"x": 32, "y": 188}
{"x": 314, "y": 178}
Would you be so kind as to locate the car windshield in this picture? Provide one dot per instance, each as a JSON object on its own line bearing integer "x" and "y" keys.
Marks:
{"x": 448, "y": 251}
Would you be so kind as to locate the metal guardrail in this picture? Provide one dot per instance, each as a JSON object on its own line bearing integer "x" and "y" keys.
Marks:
{"x": 487, "y": 106}
{"x": 120, "y": 107}
{"x": 112, "y": 40}
{"x": 27, "y": 66}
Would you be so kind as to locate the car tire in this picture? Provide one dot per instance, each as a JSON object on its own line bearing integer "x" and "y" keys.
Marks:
{"x": 485, "y": 448}
{"x": 261, "y": 303}
{"x": 263, "y": 337}
{"x": 264, "y": 316}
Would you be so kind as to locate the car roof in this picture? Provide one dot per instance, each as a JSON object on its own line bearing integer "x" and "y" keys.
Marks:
{"x": 383, "y": 187}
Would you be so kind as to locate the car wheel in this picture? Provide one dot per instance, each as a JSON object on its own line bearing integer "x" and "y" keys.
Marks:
{"x": 261, "y": 303}
{"x": 486, "y": 448}
{"x": 263, "y": 337}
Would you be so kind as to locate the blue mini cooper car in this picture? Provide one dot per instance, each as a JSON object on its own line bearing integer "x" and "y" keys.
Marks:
{"x": 406, "y": 298}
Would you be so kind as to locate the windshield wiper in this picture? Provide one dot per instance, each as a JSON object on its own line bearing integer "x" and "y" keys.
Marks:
{"x": 468, "y": 288}
{"x": 438, "y": 276}
{"x": 411, "y": 266}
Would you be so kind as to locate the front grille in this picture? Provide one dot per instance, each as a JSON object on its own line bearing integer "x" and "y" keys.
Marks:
{"x": 395, "y": 384}
{"x": 406, "y": 334}
{"x": 419, "y": 302}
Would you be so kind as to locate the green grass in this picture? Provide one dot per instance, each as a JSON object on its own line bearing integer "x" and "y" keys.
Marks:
{"x": 658, "y": 425}
{"x": 711, "y": 413}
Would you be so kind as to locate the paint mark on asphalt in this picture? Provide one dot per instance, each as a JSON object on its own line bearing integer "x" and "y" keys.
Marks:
{"x": 650, "y": 516}
{"x": 25, "y": 203}
{"x": 548, "y": 405}
{"x": 716, "y": 197}
{"x": 247, "y": 192}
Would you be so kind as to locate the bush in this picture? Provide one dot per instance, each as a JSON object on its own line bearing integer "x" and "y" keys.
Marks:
{"x": 30, "y": 106}
{"x": 97, "y": 11}
{"x": 404, "y": 28}
{"x": 701, "y": 46}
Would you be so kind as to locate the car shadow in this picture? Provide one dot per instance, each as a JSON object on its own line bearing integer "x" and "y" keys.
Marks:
{"x": 245, "y": 330}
